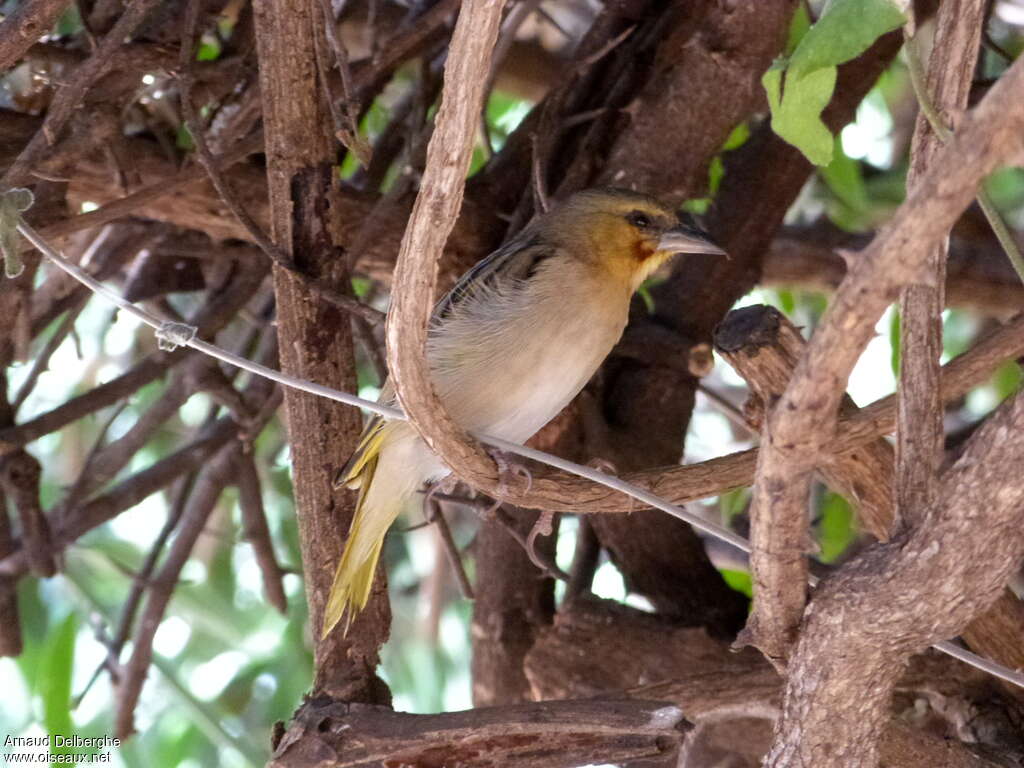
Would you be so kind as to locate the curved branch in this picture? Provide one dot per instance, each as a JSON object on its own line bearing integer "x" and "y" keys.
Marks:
{"x": 433, "y": 217}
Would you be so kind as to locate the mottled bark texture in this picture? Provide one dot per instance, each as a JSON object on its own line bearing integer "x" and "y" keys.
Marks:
{"x": 896, "y": 598}
{"x": 315, "y": 338}
{"x": 802, "y": 423}
{"x": 557, "y": 734}
{"x": 920, "y": 433}
{"x": 763, "y": 346}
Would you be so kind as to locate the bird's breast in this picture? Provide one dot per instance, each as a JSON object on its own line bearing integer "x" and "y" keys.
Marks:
{"x": 506, "y": 367}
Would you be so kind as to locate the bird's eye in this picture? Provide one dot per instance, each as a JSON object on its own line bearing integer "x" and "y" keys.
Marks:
{"x": 639, "y": 219}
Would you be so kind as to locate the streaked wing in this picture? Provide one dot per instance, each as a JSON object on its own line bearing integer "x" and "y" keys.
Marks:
{"x": 517, "y": 259}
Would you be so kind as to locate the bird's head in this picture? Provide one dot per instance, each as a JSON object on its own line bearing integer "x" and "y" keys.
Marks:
{"x": 627, "y": 233}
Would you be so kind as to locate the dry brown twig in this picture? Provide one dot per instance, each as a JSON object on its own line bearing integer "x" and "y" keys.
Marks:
{"x": 255, "y": 530}
{"x": 73, "y": 91}
{"x": 920, "y": 431}
{"x": 208, "y": 487}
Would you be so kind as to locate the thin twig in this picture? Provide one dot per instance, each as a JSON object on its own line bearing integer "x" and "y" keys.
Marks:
{"x": 938, "y": 124}
{"x": 41, "y": 360}
{"x": 348, "y": 132}
{"x": 209, "y": 485}
{"x": 256, "y": 531}
{"x": 435, "y": 515}
{"x": 727, "y": 408}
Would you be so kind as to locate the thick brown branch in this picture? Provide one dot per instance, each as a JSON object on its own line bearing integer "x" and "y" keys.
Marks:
{"x": 764, "y": 347}
{"x": 315, "y": 337}
{"x": 897, "y": 598}
{"x": 598, "y": 649}
{"x": 553, "y": 734}
{"x": 802, "y": 425}
{"x": 29, "y": 21}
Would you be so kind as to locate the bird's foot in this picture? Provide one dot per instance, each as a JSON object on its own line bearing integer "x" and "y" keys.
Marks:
{"x": 603, "y": 465}
{"x": 543, "y": 527}
{"x": 508, "y": 467}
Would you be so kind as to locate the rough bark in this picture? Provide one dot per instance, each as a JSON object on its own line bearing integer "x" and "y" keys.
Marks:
{"x": 557, "y": 734}
{"x": 764, "y": 347}
{"x": 802, "y": 423}
{"x": 920, "y": 432}
{"x": 315, "y": 337}
{"x": 598, "y": 648}
{"x": 896, "y": 598}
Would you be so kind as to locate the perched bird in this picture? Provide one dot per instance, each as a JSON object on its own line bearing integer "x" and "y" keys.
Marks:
{"x": 511, "y": 344}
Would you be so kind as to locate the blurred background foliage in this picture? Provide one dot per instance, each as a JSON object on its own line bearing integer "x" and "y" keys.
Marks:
{"x": 227, "y": 666}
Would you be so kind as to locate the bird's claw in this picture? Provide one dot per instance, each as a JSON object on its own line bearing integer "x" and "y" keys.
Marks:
{"x": 507, "y": 467}
{"x": 543, "y": 527}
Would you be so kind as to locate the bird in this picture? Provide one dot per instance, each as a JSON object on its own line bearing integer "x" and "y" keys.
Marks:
{"x": 513, "y": 342}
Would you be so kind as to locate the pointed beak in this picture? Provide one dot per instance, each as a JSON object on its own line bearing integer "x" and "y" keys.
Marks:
{"x": 688, "y": 240}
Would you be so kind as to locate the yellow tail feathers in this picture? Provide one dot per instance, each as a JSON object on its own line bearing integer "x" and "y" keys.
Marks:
{"x": 387, "y": 473}
{"x": 351, "y": 588}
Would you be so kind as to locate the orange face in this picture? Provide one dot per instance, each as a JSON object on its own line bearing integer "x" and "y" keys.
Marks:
{"x": 626, "y": 233}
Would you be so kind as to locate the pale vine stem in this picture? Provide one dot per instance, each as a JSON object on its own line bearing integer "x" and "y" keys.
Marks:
{"x": 938, "y": 124}
{"x": 180, "y": 334}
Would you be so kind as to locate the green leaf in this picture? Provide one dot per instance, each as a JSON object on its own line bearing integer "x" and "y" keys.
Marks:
{"x": 835, "y": 527}
{"x": 738, "y": 580}
{"x": 183, "y": 139}
{"x": 787, "y": 302}
{"x": 54, "y": 683}
{"x": 644, "y": 292}
{"x": 797, "y": 118}
{"x": 894, "y": 342}
{"x": 697, "y": 205}
{"x": 843, "y": 176}
{"x": 1006, "y": 379}
{"x": 209, "y": 49}
{"x": 736, "y": 138}
{"x": 69, "y": 22}
{"x": 798, "y": 90}
{"x": 733, "y": 503}
{"x": 845, "y": 30}
{"x": 798, "y": 26}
